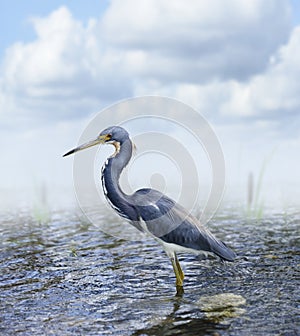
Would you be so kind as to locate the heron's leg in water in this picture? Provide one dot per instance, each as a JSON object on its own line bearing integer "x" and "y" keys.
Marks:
{"x": 177, "y": 270}
{"x": 179, "y": 267}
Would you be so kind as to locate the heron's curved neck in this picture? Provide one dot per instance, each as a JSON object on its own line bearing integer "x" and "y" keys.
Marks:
{"x": 111, "y": 172}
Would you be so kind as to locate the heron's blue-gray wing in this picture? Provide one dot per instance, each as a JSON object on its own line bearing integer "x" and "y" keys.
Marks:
{"x": 170, "y": 222}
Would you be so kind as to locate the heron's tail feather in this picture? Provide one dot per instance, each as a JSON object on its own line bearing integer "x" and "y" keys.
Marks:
{"x": 222, "y": 250}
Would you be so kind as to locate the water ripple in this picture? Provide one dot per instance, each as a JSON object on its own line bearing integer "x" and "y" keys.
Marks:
{"x": 67, "y": 277}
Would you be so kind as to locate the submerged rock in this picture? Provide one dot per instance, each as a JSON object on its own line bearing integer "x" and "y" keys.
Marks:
{"x": 221, "y": 306}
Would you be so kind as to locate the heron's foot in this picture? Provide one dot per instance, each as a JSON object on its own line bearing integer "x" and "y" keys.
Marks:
{"x": 179, "y": 291}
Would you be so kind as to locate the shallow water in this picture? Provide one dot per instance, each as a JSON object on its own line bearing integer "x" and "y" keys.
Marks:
{"x": 66, "y": 277}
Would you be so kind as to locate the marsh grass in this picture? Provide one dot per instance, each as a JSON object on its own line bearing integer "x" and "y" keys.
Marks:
{"x": 255, "y": 200}
{"x": 40, "y": 208}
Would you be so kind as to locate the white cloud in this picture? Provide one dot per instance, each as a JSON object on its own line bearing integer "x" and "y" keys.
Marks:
{"x": 49, "y": 59}
{"x": 269, "y": 97}
{"x": 71, "y": 69}
{"x": 197, "y": 41}
{"x": 275, "y": 91}
{"x": 63, "y": 72}
{"x": 237, "y": 63}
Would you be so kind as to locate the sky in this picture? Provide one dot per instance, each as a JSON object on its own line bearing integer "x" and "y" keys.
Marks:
{"x": 237, "y": 63}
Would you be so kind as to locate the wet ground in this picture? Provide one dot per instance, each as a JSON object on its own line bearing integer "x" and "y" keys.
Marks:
{"x": 65, "y": 277}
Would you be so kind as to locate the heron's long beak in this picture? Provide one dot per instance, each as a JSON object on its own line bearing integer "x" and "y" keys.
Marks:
{"x": 100, "y": 140}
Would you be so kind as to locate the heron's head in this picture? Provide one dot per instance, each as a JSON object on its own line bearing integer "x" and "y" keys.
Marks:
{"x": 114, "y": 135}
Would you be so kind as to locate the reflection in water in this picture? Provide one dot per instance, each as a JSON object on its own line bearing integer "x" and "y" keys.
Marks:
{"x": 66, "y": 277}
{"x": 182, "y": 322}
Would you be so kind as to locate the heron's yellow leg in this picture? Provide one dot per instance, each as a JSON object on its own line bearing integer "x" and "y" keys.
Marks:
{"x": 178, "y": 271}
{"x": 179, "y": 268}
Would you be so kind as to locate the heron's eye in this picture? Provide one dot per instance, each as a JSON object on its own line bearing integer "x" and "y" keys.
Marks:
{"x": 107, "y": 137}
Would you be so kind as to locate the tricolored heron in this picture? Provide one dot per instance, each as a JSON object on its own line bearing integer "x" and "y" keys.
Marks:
{"x": 151, "y": 211}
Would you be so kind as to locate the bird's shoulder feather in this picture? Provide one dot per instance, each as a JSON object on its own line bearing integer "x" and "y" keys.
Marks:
{"x": 173, "y": 224}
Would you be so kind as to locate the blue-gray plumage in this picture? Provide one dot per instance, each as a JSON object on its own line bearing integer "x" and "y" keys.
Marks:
{"x": 151, "y": 211}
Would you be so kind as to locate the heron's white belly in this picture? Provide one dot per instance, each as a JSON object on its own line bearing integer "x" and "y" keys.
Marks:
{"x": 172, "y": 248}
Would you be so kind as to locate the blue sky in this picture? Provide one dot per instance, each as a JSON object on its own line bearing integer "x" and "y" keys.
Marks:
{"x": 295, "y": 11}
{"x": 15, "y": 16}
{"x": 61, "y": 62}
